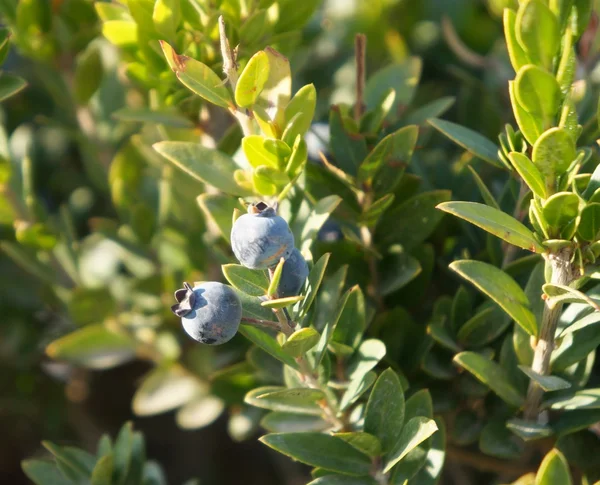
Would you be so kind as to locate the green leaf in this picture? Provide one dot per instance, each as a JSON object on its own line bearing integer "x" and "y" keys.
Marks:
{"x": 372, "y": 121}
{"x": 102, "y": 473}
{"x": 554, "y": 151}
{"x": 589, "y": 320}
{"x": 357, "y": 388}
{"x": 496, "y": 440}
{"x": 442, "y": 336}
{"x": 268, "y": 344}
{"x": 431, "y": 473}
{"x": 277, "y": 91}
{"x": 352, "y": 321}
{"x": 94, "y": 346}
{"x": 483, "y": 327}
{"x": 166, "y": 17}
{"x": 320, "y": 450}
{"x": 487, "y": 196}
{"x": 589, "y": 223}
{"x": 204, "y": 164}
{"x": 301, "y": 341}
{"x": 74, "y": 464}
{"x": 301, "y": 110}
{"x": 122, "y": 33}
{"x": 368, "y": 355}
{"x": 518, "y": 56}
{"x": 403, "y": 78}
{"x": 10, "y": 85}
{"x": 538, "y": 32}
{"x": 560, "y": 209}
{"x": 197, "y": 77}
{"x": 547, "y": 383}
{"x": 414, "y": 432}
{"x": 554, "y": 470}
{"x": 200, "y": 412}
{"x": 398, "y": 269}
{"x": 330, "y": 326}
{"x": 252, "y": 80}
{"x": 42, "y": 472}
{"x": 88, "y": 73}
{"x": 491, "y": 374}
{"x": 218, "y": 209}
{"x": 163, "y": 389}
{"x": 413, "y": 221}
{"x": 432, "y": 109}
{"x": 259, "y": 153}
{"x": 529, "y": 172}
{"x": 349, "y": 149}
{"x": 318, "y": 216}
{"x": 280, "y": 422}
{"x": 364, "y": 442}
{"x": 531, "y": 126}
{"x": 343, "y": 480}
{"x": 558, "y": 294}
{"x": 538, "y": 92}
{"x": 384, "y": 415}
{"x": 575, "y": 347}
{"x": 250, "y": 281}
{"x": 572, "y": 421}
{"x": 470, "y": 140}
{"x": 584, "y": 399}
{"x": 396, "y": 148}
{"x": 158, "y": 117}
{"x": 282, "y": 302}
{"x": 495, "y": 222}
{"x": 529, "y": 430}
{"x": 301, "y": 400}
{"x": 315, "y": 277}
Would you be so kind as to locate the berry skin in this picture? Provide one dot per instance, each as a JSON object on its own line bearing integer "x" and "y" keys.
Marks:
{"x": 261, "y": 238}
{"x": 293, "y": 276}
{"x": 210, "y": 312}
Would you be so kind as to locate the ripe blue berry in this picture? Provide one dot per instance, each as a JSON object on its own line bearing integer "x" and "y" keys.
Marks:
{"x": 293, "y": 276}
{"x": 210, "y": 312}
{"x": 261, "y": 238}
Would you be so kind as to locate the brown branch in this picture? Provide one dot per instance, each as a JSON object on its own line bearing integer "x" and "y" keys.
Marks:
{"x": 360, "y": 53}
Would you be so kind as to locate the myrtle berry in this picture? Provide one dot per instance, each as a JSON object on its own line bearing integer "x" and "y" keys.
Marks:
{"x": 261, "y": 238}
{"x": 293, "y": 275}
{"x": 210, "y": 312}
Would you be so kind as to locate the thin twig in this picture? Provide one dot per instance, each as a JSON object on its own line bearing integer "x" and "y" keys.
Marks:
{"x": 459, "y": 48}
{"x": 360, "y": 53}
{"x": 229, "y": 62}
{"x": 262, "y": 323}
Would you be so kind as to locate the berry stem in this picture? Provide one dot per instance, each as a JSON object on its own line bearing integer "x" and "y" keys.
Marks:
{"x": 262, "y": 323}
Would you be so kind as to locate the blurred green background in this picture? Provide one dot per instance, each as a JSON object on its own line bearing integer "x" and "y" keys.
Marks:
{"x": 55, "y": 140}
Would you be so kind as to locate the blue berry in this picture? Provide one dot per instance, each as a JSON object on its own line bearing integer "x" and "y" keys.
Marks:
{"x": 210, "y": 312}
{"x": 261, "y": 238}
{"x": 293, "y": 276}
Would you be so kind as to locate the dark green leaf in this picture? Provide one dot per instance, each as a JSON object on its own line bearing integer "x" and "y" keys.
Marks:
{"x": 501, "y": 288}
{"x": 94, "y": 346}
{"x": 198, "y": 77}
{"x": 414, "y": 432}
{"x": 470, "y": 140}
{"x": 320, "y": 450}
{"x": 250, "y": 281}
{"x": 268, "y": 344}
{"x": 301, "y": 400}
{"x": 384, "y": 415}
{"x": 301, "y": 341}
{"x": 204, "y": 164}
{"x": 492, "y": 375}
{"x": 495, "y": 222}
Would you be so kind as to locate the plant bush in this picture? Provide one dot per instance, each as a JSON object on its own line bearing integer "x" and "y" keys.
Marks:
{"x": 358, "y": 353}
